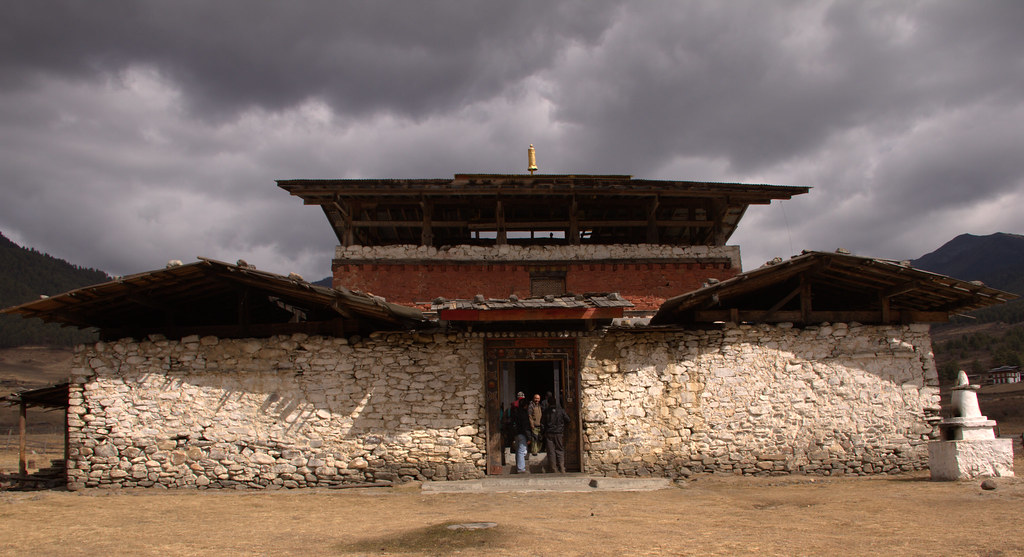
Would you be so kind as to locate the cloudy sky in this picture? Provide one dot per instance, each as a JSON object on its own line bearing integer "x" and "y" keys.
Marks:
{"x": 136, "y": 132}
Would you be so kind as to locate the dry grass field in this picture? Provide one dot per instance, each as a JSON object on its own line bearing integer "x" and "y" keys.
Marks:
{"x": 712, "y": 515}
{"x": 906, "y": 515}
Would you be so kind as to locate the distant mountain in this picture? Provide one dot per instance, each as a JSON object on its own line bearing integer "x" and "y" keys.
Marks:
{"x": 326, "y": 282}
{"x": 25, "y": 274}
{"x": 996, "y": 260}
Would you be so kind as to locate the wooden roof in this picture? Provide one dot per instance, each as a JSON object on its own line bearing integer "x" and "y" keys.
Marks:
{"x": 54, "y": 396}
{"x": 210, "y": 297}
{"x": 817, "y": 287}
{"x": 586, "y": 309}
{"x": 541, "y": 208}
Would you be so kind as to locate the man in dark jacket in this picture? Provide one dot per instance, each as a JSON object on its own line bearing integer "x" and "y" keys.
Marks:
{"x": 520, "y": 419}
{"x": 555, "y": 421}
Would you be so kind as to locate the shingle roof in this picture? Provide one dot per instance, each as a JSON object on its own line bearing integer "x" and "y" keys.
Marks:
{"x": 212, "y": 293}
{"x": 828, "y": 287}
{"x": 567, "y": 307}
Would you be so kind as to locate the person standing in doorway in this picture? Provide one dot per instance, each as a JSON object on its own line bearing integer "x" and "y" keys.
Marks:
{"x": 536, "y": 413}
{"x": 520, "y": 421}
{"x": 555, "y": 421}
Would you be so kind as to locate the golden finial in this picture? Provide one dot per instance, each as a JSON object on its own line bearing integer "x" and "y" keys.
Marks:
{"x": 531, "y": 154}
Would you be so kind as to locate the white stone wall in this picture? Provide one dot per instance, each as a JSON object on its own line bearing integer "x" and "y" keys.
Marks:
{"x": 290, "y": 411}
{"x": 536, "y": 253}
{"x": 298, "y": 411}
{"x": 759, "y": 400}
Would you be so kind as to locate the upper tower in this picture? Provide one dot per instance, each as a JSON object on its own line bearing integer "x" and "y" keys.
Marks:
{"x": 448, "y": 234}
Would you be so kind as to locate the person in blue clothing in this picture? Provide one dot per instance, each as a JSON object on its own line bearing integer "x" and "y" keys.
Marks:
{"x": 520, "y": 422}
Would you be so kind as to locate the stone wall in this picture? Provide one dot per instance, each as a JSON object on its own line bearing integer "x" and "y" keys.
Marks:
{"x": 290, "y": 411}
{"x": 511, "y": 252}
{"x": 759, "y": 400}
{"x": 298, "y": 411}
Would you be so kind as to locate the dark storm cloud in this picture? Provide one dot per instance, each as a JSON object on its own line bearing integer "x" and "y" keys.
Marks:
{"x": 413, "y": 58}
{"x": 136, "y": 132}
{"x": 758, "y": 84}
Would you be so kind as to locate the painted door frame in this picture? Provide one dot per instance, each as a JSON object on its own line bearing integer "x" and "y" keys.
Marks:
{"x": 538, "y": 348}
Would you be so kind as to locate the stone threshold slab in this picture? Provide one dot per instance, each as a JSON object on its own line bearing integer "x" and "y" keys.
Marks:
{"x": 568, "y": 483}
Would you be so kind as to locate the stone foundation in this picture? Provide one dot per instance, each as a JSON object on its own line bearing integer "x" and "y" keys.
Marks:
{"x": 965, "y": 460}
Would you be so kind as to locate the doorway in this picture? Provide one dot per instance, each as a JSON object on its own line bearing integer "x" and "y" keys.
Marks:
{"x": 532, "y": 366}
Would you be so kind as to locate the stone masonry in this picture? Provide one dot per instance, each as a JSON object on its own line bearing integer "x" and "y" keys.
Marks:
{"x": 834, "y": 399}
{"x": 290, "y": 411}
{"x": 297, "y": 411}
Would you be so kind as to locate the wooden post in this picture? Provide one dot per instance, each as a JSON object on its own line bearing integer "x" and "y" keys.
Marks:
{"x": 499, "y": 214}
{"x": 716, "y": 213}
{"x": 427, "y": 232}
{"x": 22, "y": 449}
{"x": 574, "y": 227}
{"x": 805, "y": 299}
{"x": 652, "y": 221}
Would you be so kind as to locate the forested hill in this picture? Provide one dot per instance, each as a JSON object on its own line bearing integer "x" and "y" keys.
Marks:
{"x": 25, "y": 274}
{"x": 996, "y": 260}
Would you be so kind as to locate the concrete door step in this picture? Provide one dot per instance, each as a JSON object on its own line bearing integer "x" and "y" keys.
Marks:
{"x": 546, "y": 482}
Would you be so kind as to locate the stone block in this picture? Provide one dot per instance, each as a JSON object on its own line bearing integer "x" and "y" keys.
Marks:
{"x": 964, "y": 460}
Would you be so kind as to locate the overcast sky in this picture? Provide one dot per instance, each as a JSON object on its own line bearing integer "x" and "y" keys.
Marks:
{"x": 136, "y": 132}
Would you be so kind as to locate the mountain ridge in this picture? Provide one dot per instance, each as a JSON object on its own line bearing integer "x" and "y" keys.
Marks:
{"x": 995, "y": 259}
{"x": 26, "y": 274}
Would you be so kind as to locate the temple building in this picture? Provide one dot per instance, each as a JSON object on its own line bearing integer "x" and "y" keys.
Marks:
{"x": 620, "y": 296}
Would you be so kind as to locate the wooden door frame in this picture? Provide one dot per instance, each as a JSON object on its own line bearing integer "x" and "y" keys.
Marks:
{"x": 540, "y": 349}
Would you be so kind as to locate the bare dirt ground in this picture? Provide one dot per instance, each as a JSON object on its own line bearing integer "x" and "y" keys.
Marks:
{"x": 712, "y": 515}
{"x": 905, "y": 515}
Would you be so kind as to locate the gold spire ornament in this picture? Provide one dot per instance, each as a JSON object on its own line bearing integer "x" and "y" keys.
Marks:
{"x": 531, "y": 154}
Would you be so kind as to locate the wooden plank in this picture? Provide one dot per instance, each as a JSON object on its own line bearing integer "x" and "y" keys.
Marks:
{"x": 333, "y": 327}
{"x": 530, "y": 314}
{"x": 860, "y": 316}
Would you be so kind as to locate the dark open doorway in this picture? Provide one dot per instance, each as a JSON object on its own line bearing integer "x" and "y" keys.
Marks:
{"x": 532, "y": 366}
{"x": 531, "y": 377}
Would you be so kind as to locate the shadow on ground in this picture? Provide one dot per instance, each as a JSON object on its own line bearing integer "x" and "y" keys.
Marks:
{"x": 438, "y": 539}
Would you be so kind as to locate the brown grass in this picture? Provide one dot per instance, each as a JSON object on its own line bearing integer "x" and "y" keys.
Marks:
{"x": 906, "y": 515}
{"x": 713, "y": 515}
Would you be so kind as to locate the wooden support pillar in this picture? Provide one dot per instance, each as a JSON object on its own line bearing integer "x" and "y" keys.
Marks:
{"x": 886, "y": 313}
{"x": 244, "y": 309}
{"x": 348, "y": 232}
{"x": 574, "y": 224}
{"x": 22, "y": 445}
{"x": 717, "y": 215}
{"x": 499, "y": 217}
{"x": 805, "y": 299}
{"x": 427, "y": 232}
{"x": 652, "y": 221}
